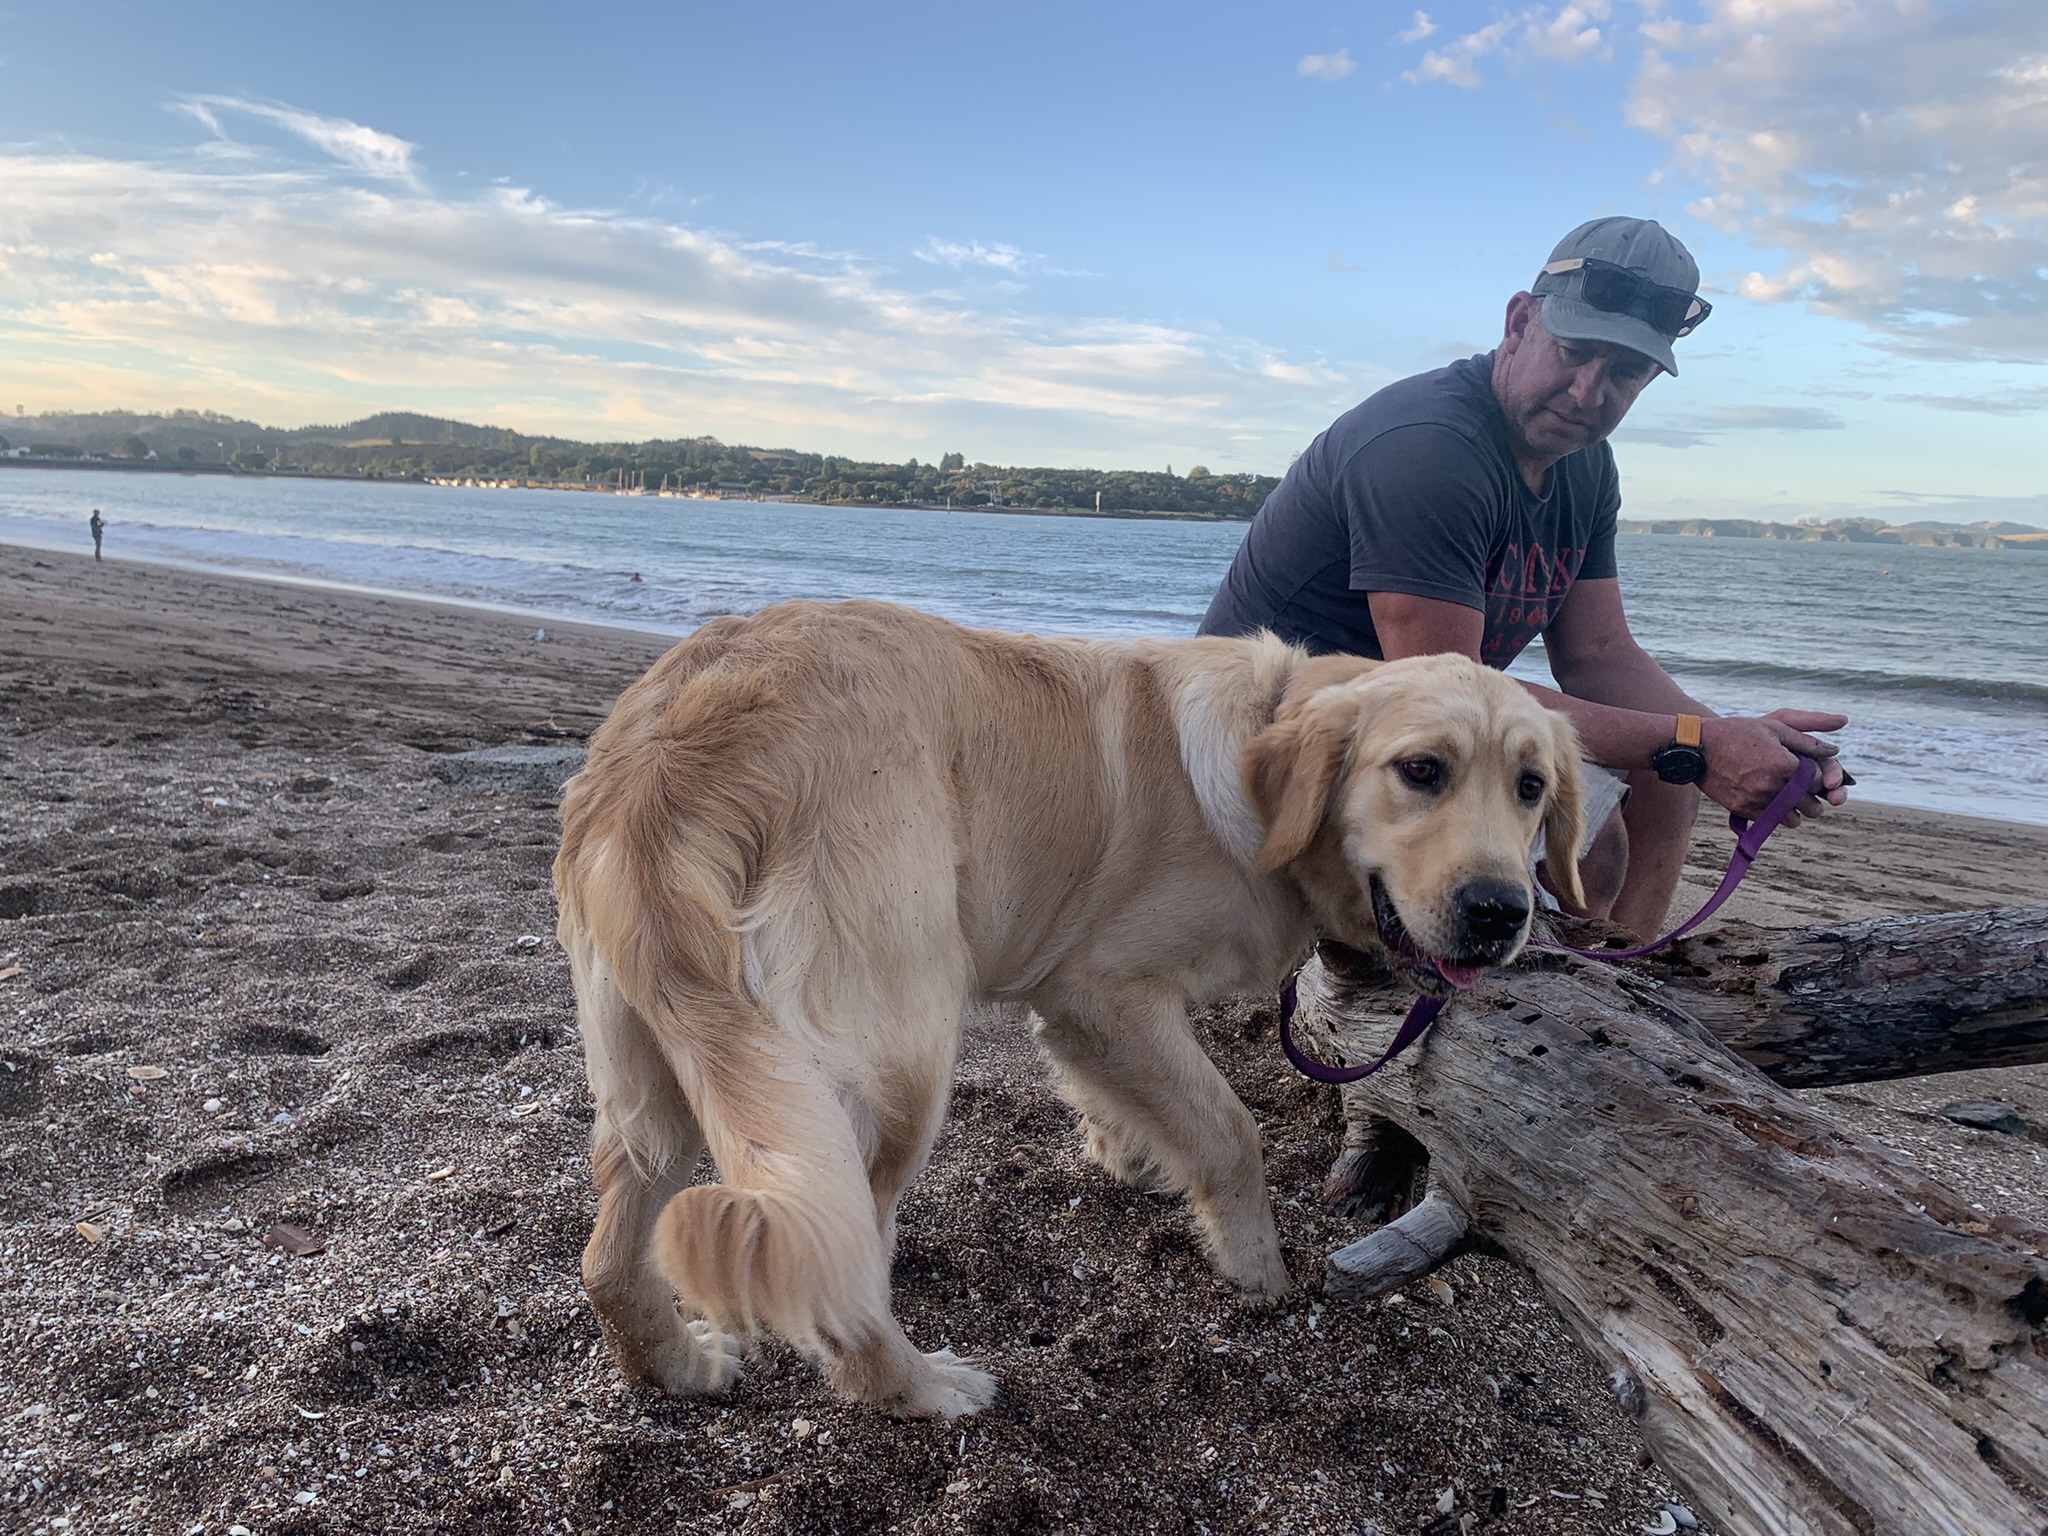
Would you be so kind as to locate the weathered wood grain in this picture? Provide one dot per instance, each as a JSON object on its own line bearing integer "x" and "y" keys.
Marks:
{"x": 1856, "y": 1002}
{"x": 1820, "y": 1340}
{"x": 1402, "y": 1250}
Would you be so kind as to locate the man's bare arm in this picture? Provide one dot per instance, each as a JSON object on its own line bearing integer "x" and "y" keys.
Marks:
{"x": 1620, "y": 737}
{"x": 1628, "y": 705}
{"x": 1594, "y": 655}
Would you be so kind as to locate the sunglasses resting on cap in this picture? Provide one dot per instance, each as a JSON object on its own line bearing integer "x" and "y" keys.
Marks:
{"x": 1619, "y": 290}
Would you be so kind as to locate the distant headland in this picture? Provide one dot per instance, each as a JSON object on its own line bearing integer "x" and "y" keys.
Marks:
{"x": 399, "y": 445}
{"x": 1852, "y": 530}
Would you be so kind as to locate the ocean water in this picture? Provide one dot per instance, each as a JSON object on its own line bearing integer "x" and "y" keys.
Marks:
{"x": 1939, "y": 656}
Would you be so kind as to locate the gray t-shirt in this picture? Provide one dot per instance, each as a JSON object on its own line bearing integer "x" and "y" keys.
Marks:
{"x": 1416, "y": 491}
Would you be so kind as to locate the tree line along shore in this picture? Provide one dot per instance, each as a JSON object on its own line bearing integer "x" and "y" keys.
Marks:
{"x": 399, "y": 445}
{"x": 403, "y": 446}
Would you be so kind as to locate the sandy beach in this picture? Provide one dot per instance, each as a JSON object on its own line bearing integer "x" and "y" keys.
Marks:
{"x": 259, "y": 967}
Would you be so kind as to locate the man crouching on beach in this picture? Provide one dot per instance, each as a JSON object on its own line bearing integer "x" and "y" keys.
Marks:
{"x": 1473, "y": 508}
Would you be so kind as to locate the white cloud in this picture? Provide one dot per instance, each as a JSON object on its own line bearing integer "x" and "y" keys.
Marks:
{"x": 2010, "y": 402}
{"x": 1327, "y": 66}
{"x": 1418, "y": 29}
{"x": 361, "y": 149}
{"x": 1568, "y": 34}
{"x": 298, "y": 291}
{"x": 1689, "y": 431}
{"x": 1456, "y": 63}
{"x": 972, "y": 253}
{"x": 1893, "y": 148}
{"x": 1775, "y": 418}
{"x": 200, "y": 114}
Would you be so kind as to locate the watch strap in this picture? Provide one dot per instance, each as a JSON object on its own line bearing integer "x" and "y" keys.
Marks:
{"x": 1687, "y": 732}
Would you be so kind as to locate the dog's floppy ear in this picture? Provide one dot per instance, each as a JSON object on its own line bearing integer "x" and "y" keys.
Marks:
{"x": 1564, "y": 822}
{"x": 1289, "y": 771}
{"x": 1315, "y": 673}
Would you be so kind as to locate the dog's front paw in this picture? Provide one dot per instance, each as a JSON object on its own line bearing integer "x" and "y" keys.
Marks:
{"x": 1266, "y": 1297}
{"x": 1256, "y": 1269}
{"x": 1267, "y": 1290}
{"x": 699, "y": 1361}
{"x": 949, "y": 1388}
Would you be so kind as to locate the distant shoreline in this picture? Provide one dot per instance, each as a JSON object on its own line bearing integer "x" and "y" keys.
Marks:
{"x": 1847, "y": 530}
{"x": 1838, "y": 531}
{"x": 403, "y": 445}
{"x": 237, "y": 472}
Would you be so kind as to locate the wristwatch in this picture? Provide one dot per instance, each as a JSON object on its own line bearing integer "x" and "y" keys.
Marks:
{"x": 1682, "y": 762}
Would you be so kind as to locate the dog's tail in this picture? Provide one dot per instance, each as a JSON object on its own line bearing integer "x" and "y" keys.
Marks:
{"x": 791, "y": 1258}
{"x": 662, "y": 834}
{"x": 662, "y": 841}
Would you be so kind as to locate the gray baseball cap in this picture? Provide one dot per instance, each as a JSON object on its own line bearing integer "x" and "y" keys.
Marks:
{"x": 1645, "y": 248}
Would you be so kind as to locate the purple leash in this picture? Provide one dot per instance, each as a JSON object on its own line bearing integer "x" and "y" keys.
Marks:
{"x": 1749, "y": 842}
{"x": 1421, "y": 1014}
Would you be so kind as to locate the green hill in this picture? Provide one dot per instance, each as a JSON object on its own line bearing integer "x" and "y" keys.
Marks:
{"x": 402, "y": 444}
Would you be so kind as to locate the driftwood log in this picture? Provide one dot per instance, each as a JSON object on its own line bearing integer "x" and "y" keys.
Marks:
{"x": 1816, "y": 1337}
{"x": 1855, "y": 1002}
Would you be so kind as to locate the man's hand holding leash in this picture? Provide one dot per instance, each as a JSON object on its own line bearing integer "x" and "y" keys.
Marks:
{"x": 1749, "y": 759}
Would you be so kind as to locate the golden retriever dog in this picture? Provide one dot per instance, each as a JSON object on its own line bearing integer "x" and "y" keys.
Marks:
{"x": 807, "y": 841}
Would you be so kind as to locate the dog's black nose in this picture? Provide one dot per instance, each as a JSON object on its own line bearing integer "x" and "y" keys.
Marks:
{"x": 1491, "y": 914}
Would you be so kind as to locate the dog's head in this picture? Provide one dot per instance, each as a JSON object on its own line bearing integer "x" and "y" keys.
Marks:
{"x": 1405, "y": 799}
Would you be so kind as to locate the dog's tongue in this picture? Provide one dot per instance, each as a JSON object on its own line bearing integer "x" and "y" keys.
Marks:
{"x": 1463, "y": 977}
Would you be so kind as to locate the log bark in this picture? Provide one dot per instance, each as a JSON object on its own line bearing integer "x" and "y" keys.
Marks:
{"x": 1403, "y": 1250}
{"x": 1857, "y": 1002}
{"x": 1819, "y": 1339}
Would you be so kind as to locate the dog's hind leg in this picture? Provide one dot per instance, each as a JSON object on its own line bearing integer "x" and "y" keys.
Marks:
{"x": 645, "y": 1149}
{"x": 1155, "y": 1103}
{"x": 907, "y": 1102}
{"x": 792, "y": 1240}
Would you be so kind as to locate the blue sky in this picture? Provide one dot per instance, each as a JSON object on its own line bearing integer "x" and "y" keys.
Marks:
{"x": 1112, "y": 234}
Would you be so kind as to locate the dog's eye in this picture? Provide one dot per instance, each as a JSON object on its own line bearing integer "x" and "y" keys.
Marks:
{"x": 1531, "y": 788}
{"x": 1423, "y": 772}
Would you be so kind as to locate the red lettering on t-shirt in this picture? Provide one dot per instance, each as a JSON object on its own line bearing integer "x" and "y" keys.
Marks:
{"x": 1524, "y": 589}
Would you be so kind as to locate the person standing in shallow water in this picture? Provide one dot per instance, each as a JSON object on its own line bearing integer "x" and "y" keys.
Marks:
{"x": 98, "y": 525}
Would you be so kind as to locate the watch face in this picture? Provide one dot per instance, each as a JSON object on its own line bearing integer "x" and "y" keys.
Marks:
{"x": 1677, "y": 764}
